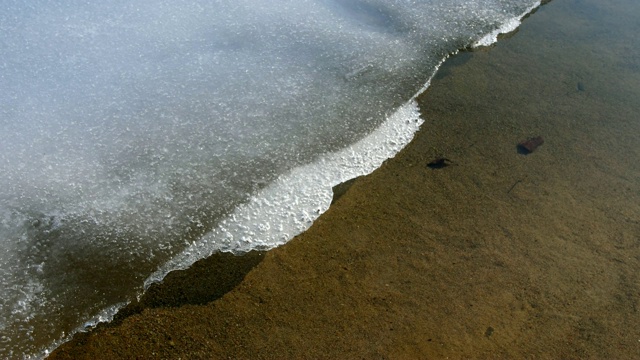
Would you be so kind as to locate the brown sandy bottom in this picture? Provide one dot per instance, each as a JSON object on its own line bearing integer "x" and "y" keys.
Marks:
{"x": 498, "y": 255}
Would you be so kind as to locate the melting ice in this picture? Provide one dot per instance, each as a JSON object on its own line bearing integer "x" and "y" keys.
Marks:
{"x": 136, "y": 134}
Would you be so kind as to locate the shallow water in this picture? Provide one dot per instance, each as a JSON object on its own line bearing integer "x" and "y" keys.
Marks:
{"x": 128, "y": 131}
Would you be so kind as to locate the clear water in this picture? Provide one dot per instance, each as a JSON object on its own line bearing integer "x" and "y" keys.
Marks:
{"x": 137, "y": 137}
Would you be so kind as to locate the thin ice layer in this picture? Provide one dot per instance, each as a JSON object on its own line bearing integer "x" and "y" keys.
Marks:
{"x": 290, "y": 204}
